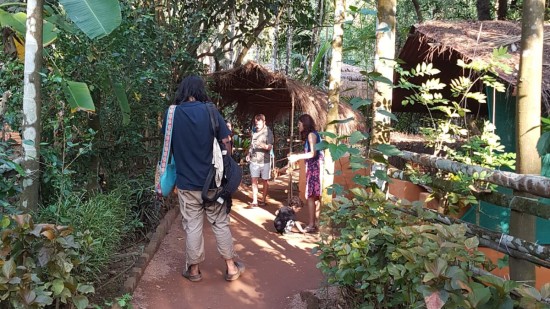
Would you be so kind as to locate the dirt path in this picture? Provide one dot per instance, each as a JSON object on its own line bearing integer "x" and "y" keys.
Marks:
{"x": 277, "y": 267}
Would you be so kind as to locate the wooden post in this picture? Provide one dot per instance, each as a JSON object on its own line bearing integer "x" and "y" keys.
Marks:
{"x": 290, "y": 169}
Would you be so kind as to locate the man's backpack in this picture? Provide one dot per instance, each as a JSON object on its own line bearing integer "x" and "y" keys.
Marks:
{"x": 232, "y": 172}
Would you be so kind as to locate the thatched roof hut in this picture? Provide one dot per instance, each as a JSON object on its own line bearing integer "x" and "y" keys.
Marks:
{"x": 354, "y": 84}
{"x": 255, "y": 89}
{"x": 444, "y": 42}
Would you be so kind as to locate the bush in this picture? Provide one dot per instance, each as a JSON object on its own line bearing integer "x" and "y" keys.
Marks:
{"x": 383, "y": 258}
{"x": 10, "y": 174}
{"x": 40, "y": 263}
{"x": 107, "y": 217}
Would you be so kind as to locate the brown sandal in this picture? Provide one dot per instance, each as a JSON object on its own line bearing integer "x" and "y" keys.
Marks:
{"x": 235, "y": 276}
{"x": 193, "y": 278}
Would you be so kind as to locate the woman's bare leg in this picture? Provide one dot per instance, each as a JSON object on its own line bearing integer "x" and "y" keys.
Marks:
{"x": 317, "y": 211}
{"x": 312, "y": 211}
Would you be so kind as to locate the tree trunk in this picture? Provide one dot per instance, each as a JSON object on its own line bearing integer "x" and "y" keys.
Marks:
{"x": 528, "y": 111}
{"x": 94, "y": 123}
{"x": 333, "y": 94}
{"x": 483, "y": 9}
{"x": 262, "y": 24}
{"x": 316, "y": 33}
{"x": 275, "y": 43}
{"x": 418, "y": 11}
{"x": 502, "y": 9}
{"x": 289, "y": 41}
{"x": 232, "y": 46}
{"x": 383, "y": 64}
{"x": 32, "y": 105}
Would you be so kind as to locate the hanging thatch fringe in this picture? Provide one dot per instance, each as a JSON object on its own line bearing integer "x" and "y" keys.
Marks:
{"x": 255, "y": 89}
{"x": 477, "y": 40}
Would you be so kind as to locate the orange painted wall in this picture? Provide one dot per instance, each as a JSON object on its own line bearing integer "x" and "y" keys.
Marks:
{"x": 343, "y": 175}
{"x": 542, "y": 274}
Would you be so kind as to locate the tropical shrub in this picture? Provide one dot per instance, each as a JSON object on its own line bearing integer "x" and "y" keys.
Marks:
{"x": 41, "y": 264}
{"x": 10, "y": 175}
{"x": 383, "y": 258}
{"x": 449, "y": 128}
{"x": 107, "y": 217}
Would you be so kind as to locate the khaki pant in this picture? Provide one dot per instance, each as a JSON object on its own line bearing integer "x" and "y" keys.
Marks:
{"x": 192, "y": 211}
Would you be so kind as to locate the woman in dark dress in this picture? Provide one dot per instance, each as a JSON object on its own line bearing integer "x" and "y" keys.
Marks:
{"x": 313, "y": 162}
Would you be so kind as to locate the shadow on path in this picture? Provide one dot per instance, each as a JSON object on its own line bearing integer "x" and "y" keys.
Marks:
{"x": 277, "y": 267}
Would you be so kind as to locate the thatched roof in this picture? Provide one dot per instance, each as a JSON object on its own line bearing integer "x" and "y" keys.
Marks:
{"x": 353, "y": 83}
{"x": 256, "y": 90}
{"x": 467, "y": 40}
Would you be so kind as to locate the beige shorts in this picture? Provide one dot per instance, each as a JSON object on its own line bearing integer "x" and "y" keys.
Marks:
{"x": 260, "y": 170}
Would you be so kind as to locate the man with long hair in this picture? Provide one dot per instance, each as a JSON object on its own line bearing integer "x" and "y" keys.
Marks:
{"x": 192, "y": 137}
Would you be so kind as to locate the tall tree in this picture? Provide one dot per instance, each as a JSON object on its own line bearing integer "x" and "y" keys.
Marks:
{"x": 334, "y": 91}
{"x": 528, "y": 110}
{"x": 274, "y": 55}
{"x": 502, "y": 9}
{"x": 383, "y": 64}
{"x": 418, "y": 12}
{"x": 483, "y": 9}
{"x": 32, "y": 104}
{"x": 289, "y": 42}
{"x": 316, "y": 33}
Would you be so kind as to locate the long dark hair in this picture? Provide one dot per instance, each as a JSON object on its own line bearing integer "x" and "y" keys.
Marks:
{"x": 191, "y": 86}
{"x": 308, "y": 124}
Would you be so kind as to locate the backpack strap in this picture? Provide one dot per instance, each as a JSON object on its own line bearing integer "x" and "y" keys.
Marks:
{"x": 215, "y": 125}
{"x": 210, "y": 177}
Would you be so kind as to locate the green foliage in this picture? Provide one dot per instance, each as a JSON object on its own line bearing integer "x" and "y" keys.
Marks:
{"x": 78, "y": 96}
{"x": 123, "y": 301}
{"x": 360, "y": 34}
{"x": 543, "y": 144}
{"x": 40, "y": 264}
{"x": 10, "y": 179}
{"x": 447, "y": 130}
{"x": 11, "y": 74}
{"x": 107, "y": 217}
{"x": 386, "y": 259}
{"x": 96, "y": 18}
{"x": 60, "y": 173}
{"x": 484, "y": 150}
{"x": 128, "y": 75}
{"x": 17, "y": 22}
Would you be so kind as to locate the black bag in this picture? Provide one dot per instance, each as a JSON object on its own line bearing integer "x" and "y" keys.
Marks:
{"x": 284, "y": 215}
{"x": 232, "y": 172}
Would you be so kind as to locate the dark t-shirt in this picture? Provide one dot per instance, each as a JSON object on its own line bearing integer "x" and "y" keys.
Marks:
{"x": 192, "y": 139}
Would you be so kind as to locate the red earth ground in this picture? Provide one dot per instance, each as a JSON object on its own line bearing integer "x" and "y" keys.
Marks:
{"x": 277, "y": 267}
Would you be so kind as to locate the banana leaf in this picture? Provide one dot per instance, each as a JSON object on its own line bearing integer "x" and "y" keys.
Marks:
{"x": 79, "y": 96}
{"x": 122, "y": 102}
{"x": 18, "y": 21}
{"x": 96, "y": 18}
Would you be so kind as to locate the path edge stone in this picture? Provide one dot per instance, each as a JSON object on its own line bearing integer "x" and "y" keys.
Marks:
{"x": 154, "y": 243}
